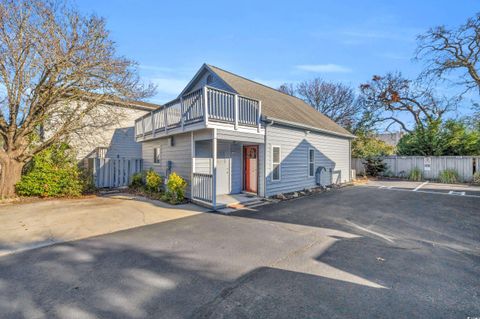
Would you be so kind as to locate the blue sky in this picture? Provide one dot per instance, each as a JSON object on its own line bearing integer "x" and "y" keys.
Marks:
{"x": 272, "y": 41}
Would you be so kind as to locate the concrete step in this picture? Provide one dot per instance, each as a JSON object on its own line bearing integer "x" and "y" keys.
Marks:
{"x": 256, "y": 202}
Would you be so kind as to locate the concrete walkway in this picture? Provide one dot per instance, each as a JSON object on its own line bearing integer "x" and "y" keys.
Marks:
{"x": 31, "y": 225}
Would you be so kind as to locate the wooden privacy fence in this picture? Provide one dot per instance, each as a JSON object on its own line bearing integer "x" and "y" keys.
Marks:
{"x": 431, "y": 166}
{"x": 113, "y": 172}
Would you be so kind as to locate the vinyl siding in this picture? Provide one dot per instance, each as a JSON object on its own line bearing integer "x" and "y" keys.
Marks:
{"x": 202, "y": 81}
{"x": 180, "y": 154}
{"x": 203, "y": 157}
{"x": 236, "y": 155}
{"x": 240, "y": 136}
{"x": 119, "y": 137}
{"x": 261, "y": 169}
{"x": 331, "y": 152}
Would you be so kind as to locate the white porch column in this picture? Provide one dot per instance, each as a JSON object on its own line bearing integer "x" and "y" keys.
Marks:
{"x": 192, "y": 140}
{"x": 214, "y": 182}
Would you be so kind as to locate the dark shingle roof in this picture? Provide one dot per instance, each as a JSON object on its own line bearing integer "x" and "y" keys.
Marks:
{"x": 278, "y": 105}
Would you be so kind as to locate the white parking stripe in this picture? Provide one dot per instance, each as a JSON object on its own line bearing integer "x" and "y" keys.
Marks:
{"x": 456, "y": 193}
{"x": 420, "y": 186}
{"x": 428, "y": 192}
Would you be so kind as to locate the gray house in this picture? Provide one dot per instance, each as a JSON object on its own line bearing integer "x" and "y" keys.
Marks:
{"x": 228, "y": 136}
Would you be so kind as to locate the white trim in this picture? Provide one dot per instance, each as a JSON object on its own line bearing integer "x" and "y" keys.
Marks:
{"x": 279, "y": 163}
{"x": 308, "y": 162}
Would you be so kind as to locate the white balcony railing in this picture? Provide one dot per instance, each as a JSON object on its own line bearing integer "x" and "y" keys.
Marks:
{"x": 203, "y": 105}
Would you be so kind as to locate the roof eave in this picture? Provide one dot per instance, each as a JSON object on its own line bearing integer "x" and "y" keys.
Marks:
{"x": 308, "y": 127}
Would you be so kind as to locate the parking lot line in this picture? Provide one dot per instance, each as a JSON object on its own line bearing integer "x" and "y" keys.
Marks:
{"x": 430, "y": 192}
{"x": 420, "y": 186}
{"x": 456, "y": 193}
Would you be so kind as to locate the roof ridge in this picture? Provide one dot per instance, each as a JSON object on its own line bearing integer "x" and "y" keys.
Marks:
{"x": 268, "y": 87}
{"x": 277, "y": 103}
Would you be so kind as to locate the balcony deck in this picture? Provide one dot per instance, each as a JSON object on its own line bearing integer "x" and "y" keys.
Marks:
{"x": 206, "y": 107}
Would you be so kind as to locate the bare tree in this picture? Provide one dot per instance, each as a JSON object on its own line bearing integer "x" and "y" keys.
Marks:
{"x": 57, "y": 68}
{"x": 389, "y": 98}
{"x": 446, "y": 51}
{"x": 335, "y": 100}
{"x": 287, "y": 88}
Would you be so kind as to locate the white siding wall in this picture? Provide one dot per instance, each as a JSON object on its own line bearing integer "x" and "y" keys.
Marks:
{"x": 119, "y": 137}
{"x": 202, "y": 81}
{"x": 203, "y": 157}
{"x": 237, "y": 168}
{"x": 180, "y": 154}
{"x": 261, "y": 170}
{"x": 330, "y": 152}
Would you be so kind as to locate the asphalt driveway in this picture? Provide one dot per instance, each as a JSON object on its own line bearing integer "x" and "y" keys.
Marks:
{"x": 357, "y": 252}
{"x": 43, "y": 223}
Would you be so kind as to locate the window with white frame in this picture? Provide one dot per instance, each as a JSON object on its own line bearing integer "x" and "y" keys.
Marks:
{"x": 275, "y": 163}
{"x": 311, "y": 162}
{"x": 157, "y": 155}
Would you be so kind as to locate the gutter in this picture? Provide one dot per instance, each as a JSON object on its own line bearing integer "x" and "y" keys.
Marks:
{"x": 271, "y": 120}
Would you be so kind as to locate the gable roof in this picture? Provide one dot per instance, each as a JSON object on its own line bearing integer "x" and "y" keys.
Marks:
{"x": 277, "y": 105}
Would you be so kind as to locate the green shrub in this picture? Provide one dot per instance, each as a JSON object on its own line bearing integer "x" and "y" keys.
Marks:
{"x": 136, "y": 181}
{"x": 448, "y": 176}
{"x": 176, "y": 186}
{"x": 415, "y": 175}
{"x": 476, "y": 178}
{"x": 153, "y": 181}
{"x": 388, "y": 173}
{"x": 88, "y": 181}
{"x": 52, "y": 173}
{"x": 374, "y": 166}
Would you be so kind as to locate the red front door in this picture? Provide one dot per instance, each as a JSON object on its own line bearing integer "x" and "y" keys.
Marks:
{"x": 250, "y": 157}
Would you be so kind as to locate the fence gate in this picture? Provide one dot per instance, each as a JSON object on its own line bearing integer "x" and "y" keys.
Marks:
{"x": 113, "y": 172}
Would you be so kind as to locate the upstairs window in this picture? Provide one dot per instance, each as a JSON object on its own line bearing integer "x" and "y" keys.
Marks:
{"x": 311, "y": 162}
{"x": 275, "y": 163}
{"x": 157, "y": 155}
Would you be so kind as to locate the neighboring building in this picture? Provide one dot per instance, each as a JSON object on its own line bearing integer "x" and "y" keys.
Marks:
{"x": 226, "y": 134}
{"x": 390, "y": 138}
{"x": 116, "y": 140}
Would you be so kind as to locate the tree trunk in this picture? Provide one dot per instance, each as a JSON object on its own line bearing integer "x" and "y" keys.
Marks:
{"x": 10, "y": 174}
